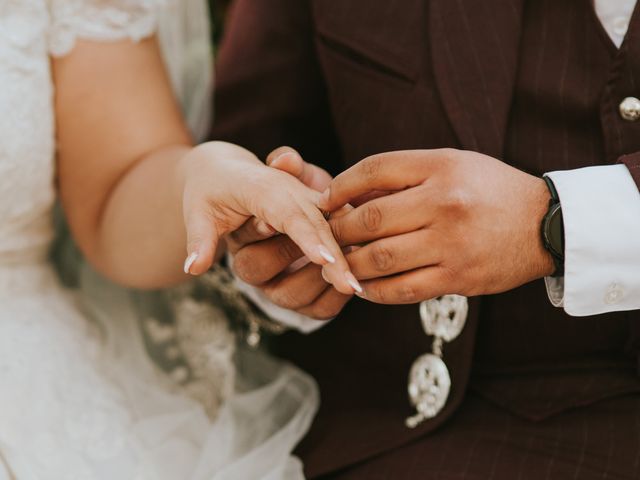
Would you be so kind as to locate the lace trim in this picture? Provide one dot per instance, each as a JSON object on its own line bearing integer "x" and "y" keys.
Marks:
{"x": 102, "y": 20}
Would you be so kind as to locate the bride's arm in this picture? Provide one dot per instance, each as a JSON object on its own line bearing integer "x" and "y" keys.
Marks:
{"x": 130, "y": 180}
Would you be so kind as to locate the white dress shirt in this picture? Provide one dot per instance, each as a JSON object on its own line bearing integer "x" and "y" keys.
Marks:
{"x": 601, "y": 210}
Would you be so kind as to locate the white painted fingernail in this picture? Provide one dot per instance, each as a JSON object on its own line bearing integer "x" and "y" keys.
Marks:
{"x": 324, "y": 253}
{"x": 324, "y": 276}
{"x": 353, "y": 283}
{"x": 265, "y": 229}
{"x": 188, "y": 263}
{"x": 279, "y": 159}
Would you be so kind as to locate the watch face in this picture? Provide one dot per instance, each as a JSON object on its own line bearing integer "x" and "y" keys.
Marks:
{"x": 555, "y": 231}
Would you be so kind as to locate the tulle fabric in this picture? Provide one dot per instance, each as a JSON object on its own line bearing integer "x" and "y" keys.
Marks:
{"x": 81, "y": 396}
{"x": 82, "y": 400}
{"x": 255, "y": 430}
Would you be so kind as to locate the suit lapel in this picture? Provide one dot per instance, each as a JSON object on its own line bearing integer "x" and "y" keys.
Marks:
{"x": 475, "y": 48}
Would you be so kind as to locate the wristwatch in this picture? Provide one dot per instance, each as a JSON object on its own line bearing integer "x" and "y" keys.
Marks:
{"x": 553, "y": 229}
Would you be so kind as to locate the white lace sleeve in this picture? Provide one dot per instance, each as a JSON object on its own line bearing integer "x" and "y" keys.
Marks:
{"x": 102, "y": 20}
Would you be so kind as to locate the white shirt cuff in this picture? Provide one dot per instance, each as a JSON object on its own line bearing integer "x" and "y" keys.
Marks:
{"x": 601, "y": 212}
{"x": 289, "y": 318}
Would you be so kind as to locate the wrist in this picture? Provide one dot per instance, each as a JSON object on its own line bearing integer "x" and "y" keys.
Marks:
{"x": 544, "y": 261}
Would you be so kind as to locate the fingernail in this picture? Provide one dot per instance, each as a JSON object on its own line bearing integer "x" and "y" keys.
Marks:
{"x": 323, "y": 202}
{"x": 188, "y": 263}
{"x": 351, "y": 280}
{"x": 279, "y": 158}
{"x": 324, "y": 276}
{"x": 264, "y": 228}
{"x": 324, "y": 253}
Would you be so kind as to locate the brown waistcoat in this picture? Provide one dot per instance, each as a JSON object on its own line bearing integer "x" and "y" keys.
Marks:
{"x": 534, "y": 83}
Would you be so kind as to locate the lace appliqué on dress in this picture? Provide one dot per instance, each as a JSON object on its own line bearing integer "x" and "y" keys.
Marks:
{"x": 199, "y": 347}
{"x": 103, "y": 20}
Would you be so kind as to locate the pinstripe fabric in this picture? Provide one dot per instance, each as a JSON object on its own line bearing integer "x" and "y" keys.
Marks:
{"x": 536, "y": 83}
{"x": 532, "y": 358}
{"x": 533, "y": 361}
{"x": 482, "y": 442}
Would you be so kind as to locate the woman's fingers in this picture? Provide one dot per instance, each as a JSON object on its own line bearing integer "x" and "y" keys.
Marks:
{"x": 288, "y": 160}
{"x": 202, "y": 238}
{"x": 296, "y": 215}
{"x": 311, "y": 232}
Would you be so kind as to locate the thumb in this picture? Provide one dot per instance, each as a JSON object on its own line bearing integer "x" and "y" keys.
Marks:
{"x": 289, "y": 160}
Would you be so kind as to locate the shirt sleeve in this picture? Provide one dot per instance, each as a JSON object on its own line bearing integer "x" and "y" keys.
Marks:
{"x": 601, "y": 212}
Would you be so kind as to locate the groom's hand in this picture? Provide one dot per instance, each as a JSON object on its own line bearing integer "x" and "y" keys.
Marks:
{"x": 457, "y": 222}
{"x": 265, "y": 261}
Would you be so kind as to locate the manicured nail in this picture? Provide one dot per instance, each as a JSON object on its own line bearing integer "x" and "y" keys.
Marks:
{"x": 264, "y": 228}
{"x": 353, "y": 283}
{"x": 323, "y": 202}
{"x": 324, "y": 253}
{"x": 324, "y": 276}
{"x": 188, "y": 263}
{"x": 279, "y": 158}
{"x": 275, "y": 161}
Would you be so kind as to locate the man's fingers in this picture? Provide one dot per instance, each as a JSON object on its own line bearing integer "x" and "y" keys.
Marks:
{"x": 253, "y": 230}
{"x": 288, "y": 160}
{"x": 297, "y": 290}
{"x": 387, "y": 171}
{"x": 367, "y": 197}
{"x": 327, "y": 306}
{"x": 411, "y": 287}
{"x": 260, "y": 262}
{"x": 386, "y": 216}
{"x": 393, "y": 255}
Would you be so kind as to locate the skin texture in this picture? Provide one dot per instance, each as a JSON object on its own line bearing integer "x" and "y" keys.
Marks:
{"x": 139, "y": 197}
{"x": 426, "y": 223}
{"x": 262, "y": 258}
{"x": 458, "y": 222}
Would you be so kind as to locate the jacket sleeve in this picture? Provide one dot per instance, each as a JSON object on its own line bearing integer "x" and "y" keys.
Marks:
{"x": 632, "y": 162}
{"x": 269, "y": 87}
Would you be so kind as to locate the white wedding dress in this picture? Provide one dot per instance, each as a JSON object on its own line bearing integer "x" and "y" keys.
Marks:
{"x": 80, "y": 397}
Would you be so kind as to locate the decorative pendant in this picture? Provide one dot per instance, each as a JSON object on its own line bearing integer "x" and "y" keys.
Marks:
{"x": 429, "y": 385}
{"x": 429, "y": 380}
{"x": 444, "y": 317}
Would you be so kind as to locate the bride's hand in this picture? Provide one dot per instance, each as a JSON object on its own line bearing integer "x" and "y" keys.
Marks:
{"x": 224, "y": 185}
{"x": 275, "y": 266}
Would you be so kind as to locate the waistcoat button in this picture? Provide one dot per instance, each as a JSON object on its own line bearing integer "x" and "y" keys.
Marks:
{"x": 630, "y": 109}
{"x": 620, "y": 26}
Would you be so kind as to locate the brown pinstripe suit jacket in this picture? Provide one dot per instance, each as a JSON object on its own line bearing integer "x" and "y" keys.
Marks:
{"x": 343, "y": 79}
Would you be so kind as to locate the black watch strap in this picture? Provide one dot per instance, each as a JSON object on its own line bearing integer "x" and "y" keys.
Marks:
{"x": 553, "y": 229}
